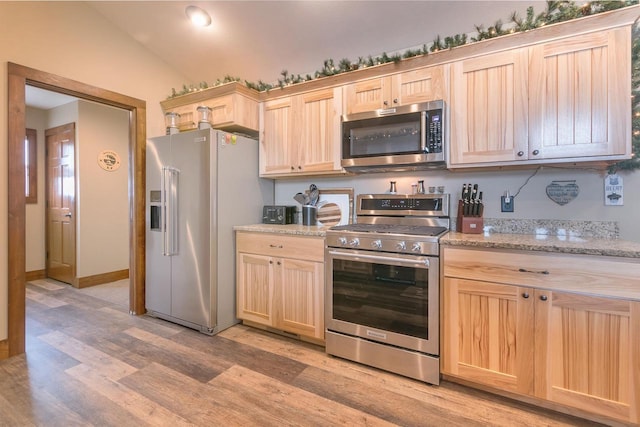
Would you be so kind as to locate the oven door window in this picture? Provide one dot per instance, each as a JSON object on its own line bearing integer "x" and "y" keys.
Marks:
{"x": 383, "y": 136}
{"x": 387, "y": 297}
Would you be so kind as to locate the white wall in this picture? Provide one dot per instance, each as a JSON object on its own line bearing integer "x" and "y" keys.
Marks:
{"x": 531, "y": 203}
{"x": 71, "y": 40}
{"x": 102, "y": 198}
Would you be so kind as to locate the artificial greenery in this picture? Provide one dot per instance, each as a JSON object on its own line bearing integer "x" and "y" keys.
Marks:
{"x": 556, "y": 11}
{"x": 634, "y": 162}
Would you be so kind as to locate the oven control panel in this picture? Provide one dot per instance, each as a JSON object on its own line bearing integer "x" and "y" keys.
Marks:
{"x": 436, "y": 205}
{"x": 401, "y": 244}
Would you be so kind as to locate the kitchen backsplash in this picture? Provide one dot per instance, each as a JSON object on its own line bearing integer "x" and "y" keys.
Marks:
{"x": 552, "y": 227}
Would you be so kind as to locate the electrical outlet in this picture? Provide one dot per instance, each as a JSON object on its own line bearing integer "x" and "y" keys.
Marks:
{"x": 506, "y": 203}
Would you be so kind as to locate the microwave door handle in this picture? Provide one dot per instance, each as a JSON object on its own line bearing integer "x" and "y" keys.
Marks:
{"x": 423, "y": 131}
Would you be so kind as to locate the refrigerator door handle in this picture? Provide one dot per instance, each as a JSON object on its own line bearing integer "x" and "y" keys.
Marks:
{"x": 169, "y": 196}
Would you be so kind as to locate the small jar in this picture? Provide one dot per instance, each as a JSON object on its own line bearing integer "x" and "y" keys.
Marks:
{"x": 421, "y": 187}
{"x": 204, "y": 117}
{"x": 171, "y": 122}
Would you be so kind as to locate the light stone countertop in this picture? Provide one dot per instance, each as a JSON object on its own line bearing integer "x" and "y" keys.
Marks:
{"x": 529, "y": 242}
{"x": 292, "y": 229}
{"x": 545, "y": 243}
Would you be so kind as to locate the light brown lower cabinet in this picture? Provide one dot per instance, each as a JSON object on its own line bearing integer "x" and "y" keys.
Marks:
{"x": 280, "y": 282}
{"x": 576, "y": 350}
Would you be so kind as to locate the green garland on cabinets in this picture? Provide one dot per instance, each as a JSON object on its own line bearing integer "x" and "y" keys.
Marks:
{"x": 634, "y": 162}
{"x": 556, "y": 11}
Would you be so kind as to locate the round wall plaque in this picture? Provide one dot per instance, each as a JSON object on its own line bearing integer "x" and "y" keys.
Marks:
{"x": 109, "y": 160}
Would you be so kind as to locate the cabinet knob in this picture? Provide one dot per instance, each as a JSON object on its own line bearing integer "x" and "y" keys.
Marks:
{"x": 279, "y": 263}
{"x": 292, "y": 168}
{"x": 299, "y": 167}
{"x": 395, "y": 101}
{"x": 543, "y": 297}
{"x": 520, "y": 153}
{"x": 525, "y": 295}
{"x": 270, "y": 261}
{"x": 385, "y": 103}
{"x": 535, "y": 152}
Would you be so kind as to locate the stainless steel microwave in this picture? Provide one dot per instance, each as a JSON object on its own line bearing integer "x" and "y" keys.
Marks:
{"x": 410, "y": 137}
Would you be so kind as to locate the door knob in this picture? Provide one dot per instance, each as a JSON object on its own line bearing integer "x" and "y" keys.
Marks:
{"x": 68, "y": 215}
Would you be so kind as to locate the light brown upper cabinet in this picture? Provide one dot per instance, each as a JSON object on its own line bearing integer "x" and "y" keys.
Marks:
{"x": 488, "y": 108}
{"x": 579, "y": 96}
{"x": 420, "y": 85}
{"x": 234, "y": 108}
{"x": 300, "y": 134}
{"x": 560, "y": 101}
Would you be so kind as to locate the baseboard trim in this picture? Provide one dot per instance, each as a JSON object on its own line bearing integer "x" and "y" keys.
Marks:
{"x": 4, "y": 349}
{"x": 35, "y": 275}
{"x": 99, "y": 279}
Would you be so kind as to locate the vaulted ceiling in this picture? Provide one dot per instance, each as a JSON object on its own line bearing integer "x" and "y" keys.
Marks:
{"x": 257, "y": 40}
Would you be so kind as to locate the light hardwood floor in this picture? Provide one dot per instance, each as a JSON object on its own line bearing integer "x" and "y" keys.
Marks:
{"x": 89, "y": 362}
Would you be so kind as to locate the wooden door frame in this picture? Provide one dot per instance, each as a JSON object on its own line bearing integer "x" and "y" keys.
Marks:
{"x": 18, "y": 77}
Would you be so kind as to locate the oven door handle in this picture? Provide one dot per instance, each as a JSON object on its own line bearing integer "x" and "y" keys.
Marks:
{"x": 423, "y": 261}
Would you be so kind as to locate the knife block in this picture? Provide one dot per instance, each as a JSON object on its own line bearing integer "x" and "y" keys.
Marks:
{"x": 469, "y": 224}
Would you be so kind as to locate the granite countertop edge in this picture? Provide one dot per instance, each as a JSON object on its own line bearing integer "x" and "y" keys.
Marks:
{"x": 545, "y": 243}
{"x": 289, "y": 229}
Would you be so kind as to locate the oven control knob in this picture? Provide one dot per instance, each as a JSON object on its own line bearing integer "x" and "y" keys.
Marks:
{"x": 401, "y": 246}
{"x": 417, "y": 247}
{"x": 376, "y": 244}
{"x": 342, "y": 241}
{"x": 355, "y": 242}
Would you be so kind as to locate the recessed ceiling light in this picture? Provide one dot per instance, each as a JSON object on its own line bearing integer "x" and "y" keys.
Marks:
{"x": 199, "y": 17}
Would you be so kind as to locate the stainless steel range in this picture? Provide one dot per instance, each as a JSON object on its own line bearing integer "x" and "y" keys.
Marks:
{"x": 382, "y": 302}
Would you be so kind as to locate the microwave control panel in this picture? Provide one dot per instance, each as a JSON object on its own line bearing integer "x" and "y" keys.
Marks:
{"x": 434, "y": 131}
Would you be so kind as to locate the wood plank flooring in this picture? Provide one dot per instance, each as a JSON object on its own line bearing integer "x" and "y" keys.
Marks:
{"x": 89, "y": 362}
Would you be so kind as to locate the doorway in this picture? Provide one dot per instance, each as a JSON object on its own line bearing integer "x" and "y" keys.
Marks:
{"x": 18, "y": 77}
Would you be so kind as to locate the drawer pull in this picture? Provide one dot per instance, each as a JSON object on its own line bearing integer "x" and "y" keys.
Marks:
{"x": 276, "y": 246}
{"x": 543, "y": 297}
{"x": 525, "y": 295}
{"x": 524, "y": 270}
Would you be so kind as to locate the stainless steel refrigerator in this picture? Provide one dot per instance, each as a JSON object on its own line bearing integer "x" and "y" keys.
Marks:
{"x": 199, "y": 185}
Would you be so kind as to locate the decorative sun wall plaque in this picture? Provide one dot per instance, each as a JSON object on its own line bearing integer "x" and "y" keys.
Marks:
{"x": 109, "y": 160}
{"x": 562, "y": 192}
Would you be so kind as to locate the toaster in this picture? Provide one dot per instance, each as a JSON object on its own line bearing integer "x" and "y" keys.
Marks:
{"x": 276, "y": 214}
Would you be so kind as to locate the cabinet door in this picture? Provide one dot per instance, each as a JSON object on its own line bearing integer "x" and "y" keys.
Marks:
{"x": 421, "y": 85}
{"x": 488, "y": 334}
{"x": 320, "y": 141}
{"x": 255, "y": 288}
{"x": 277, "y": 154}
{"x": 588, "y": 353}
{"x": 488, "y": 108}
{"x": 367, "y": 95}
{"x": 579, "y": 91}
{"x": 300, "y": 298}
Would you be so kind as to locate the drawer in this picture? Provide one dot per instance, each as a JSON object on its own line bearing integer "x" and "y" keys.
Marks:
{"x": 281, "y": 245}
{"x": 605, "y": 276}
